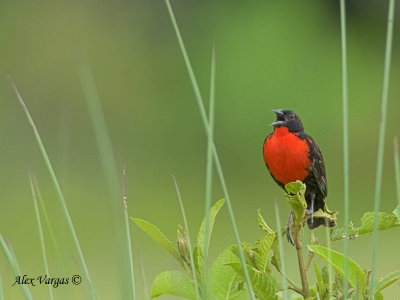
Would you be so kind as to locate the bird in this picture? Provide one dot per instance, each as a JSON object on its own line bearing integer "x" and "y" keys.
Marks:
{"x": 290, "y": 154}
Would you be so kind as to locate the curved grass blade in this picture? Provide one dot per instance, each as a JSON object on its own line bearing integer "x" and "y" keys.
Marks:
{"x": 40, "y": 229}
{"x": 14, "y": 266}
{"x": 187, "y": 238}
{"x": 128, "y": 236}
{"x": 214, "y": 150}
{"x": 381, "y": 141}
{"x": 58, "y": 190}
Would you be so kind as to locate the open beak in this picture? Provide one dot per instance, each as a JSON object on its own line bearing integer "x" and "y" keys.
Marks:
{"x": 280, "y": 118}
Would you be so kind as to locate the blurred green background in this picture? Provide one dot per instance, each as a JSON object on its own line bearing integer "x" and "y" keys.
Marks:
{"x": 270, "y": 54}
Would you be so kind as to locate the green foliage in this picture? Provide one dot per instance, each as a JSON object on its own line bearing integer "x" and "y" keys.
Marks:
{"x": 321, "y": 287}
{"x": 264, "y": 284}
{"x": 264, "y": 245}
{"x": 226, "y": 279}
{"x": 173, "y": 283}
{"x": 225, "y": 282}
{"x": 356, "y": 276}
{"x": 386, "y": 281}
{"x": 201, "y": 242}
{"x": 385, "y": 221}
{"x": 295, "y": 197}
{"x": 159, "y": 237}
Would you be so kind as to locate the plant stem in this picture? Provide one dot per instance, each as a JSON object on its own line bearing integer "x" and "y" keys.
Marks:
{"x": 218, "y": 166}
{"x": 381, "y": 141}
{"x": 299, "y": 248}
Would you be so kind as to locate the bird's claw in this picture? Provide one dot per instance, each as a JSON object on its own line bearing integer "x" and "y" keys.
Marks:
{"x": 289, "y": 238}
{"x": 309, "y": 212}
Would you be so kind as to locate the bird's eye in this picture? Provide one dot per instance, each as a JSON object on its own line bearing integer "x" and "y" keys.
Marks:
{"x": 291, "y": 117}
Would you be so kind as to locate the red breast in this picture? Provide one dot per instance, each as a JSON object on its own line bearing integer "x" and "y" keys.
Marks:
{"x": 286, "y": 155}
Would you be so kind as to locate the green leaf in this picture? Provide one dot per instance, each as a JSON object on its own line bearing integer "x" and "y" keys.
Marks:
{"x": 320, "y": 282}
{"x": 201, "y": 242}
{"x": 397, "y": 211}
{"x": 173, "y": 283}
{"x": 263, "y": 283}
{"x": 356, "y": 276}
{"x": 385, "y": 221}
{"x": 159, "y": 237}
{"x": 264, "y": 245}
{"x": 295, "y": 196}
{"x": 224, "y": 282}
{"x": 276, "y": 258}
{"x": 386, "y": 281}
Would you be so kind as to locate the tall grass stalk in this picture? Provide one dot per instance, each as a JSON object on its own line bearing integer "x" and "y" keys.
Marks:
{"x": 58, "y": 190}
{"x": 285, "y": 284}
{"x": 41, "y": 236}
{"x": 14, "y": 266}
{"x": 330, "y": 270}
{"x": 346, "y": 160}
{"x": 1, "y": 288}
{"x": 47, "y": 221}
{"x": 214, "y": 150}
{"x": 110, "y": 169}
{"x": 144, "y": 280}
{"x": 381, "y": 141}
{"x": 209, "y": 168}
{"x": 128, "y": 236}
{"x": 397, "y": 167}
{"x": 187, "y": 237}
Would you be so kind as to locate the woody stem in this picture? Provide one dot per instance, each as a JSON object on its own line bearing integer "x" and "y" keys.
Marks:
{"x": 303, "y": 275}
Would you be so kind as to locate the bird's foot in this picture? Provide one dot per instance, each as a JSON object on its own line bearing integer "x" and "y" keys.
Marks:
{"x": 310, "y": 213}
{"x": 289, "y": 238}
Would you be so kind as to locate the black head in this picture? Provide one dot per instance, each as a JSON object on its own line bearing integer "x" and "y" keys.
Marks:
{"x": 287, "y": 118}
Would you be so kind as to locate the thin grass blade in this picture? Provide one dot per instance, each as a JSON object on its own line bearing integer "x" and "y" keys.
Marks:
{"x": 41, "y": 236}
{"x": 47, "y": 221}
{"x": 110, "y": 170}
{"x": 285, "y": 284}
{"x": 381, "y": 141}
{"x": 128, "y": 237}
{"x": 214, "y": 150}
{"x": 144, "y": 279}
{"x": 187, "y": 238}
{"x": 346, "y": 160}
{"x": 1, "y": 288}
{"x": 209, "y": 167}
{"x": 14, "y": 266}
{"x": 397, "y": 167}
{"x": 58, "y": 190}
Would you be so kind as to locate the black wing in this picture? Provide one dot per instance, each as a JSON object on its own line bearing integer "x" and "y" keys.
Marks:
{"x": 317, "y": 165}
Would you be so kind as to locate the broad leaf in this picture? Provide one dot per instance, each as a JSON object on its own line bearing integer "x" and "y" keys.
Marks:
{"x": 385, "y": 221}
{"x": 224, "y": 282}
{"x": 295, "y": 196}
{"x": 321, "y": 288}
{"x": 201, "y": 242}
{"x": 386, "y": 281}
{"x": 264, "y": 245}
{"x": 159, "y": 237}
{"x": 173, "y": 283}
{"x": 356, "y": 275}
{"x": 276, "y": 258}
{"x": 263, "y": 283}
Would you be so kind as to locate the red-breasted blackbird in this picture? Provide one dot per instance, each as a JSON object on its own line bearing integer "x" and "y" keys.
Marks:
{"x": 290, "y": 154}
